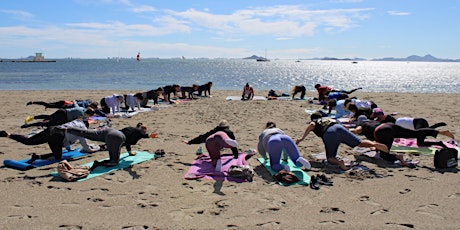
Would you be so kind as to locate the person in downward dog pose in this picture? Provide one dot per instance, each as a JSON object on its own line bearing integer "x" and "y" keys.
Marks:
{"x": 333, "y": 135}
{"x": 385, "y": 133}
{"x": 56, "y": 139}
{"x": 114, "y": 140}
{"x": 218, "y": 138}
{"x": 273, "y": 141}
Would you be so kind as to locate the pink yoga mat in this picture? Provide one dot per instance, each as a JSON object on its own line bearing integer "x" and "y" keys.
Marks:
{"x": 202, "y": 167}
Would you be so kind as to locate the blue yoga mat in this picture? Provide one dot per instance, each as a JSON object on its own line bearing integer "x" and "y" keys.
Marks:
{"x": 125, "y": 161}
{"x": 302, "y": 175}
{"x": 23, "y": 165}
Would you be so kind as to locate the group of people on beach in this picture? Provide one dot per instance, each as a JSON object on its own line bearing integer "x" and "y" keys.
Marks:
{"x": 70, "y": 122}
{"x": 353, "y": 117}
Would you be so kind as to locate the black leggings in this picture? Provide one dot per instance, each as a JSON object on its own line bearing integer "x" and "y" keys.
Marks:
{"x": 302, "y": 93}
{"x": 53, "y": 136}
{"x": 104, "y": 108}
{"x": 57, "y": 118}
{"x": 387, "y": 132}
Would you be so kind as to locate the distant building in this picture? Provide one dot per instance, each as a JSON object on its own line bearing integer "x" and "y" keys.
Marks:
{"x": 39, "y": 57}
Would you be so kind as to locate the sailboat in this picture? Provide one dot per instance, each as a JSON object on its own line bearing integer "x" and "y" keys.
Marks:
{"x": 138, "y": 56}
{"x": 263, "y": 58}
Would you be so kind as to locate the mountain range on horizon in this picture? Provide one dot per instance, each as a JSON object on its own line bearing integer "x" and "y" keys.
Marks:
{"x": 412, "y": 58}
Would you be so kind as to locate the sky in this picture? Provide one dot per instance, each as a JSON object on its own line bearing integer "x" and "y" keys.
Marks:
{"x": 283, "y": 29}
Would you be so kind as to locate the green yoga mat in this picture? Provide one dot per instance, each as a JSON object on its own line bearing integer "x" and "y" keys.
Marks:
{"x": 302, "y": 175}
{"x": 421, "y": 150}
{"x": 125, "y": 161}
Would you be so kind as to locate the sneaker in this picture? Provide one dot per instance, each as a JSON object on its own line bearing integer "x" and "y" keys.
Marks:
{"x": 3, "y": 133}
{"x": 29, "y": 119}
{"x": 231, "y": 142}
{"x": 314, "y": 183}
{"x": 323, "y": 180}
{"x": 304, "y": 162}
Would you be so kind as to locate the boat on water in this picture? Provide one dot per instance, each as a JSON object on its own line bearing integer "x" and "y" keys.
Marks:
{"x": 354, "y": 62}
{"x": 262, "y": 59}
{"x": 138, "y": 56}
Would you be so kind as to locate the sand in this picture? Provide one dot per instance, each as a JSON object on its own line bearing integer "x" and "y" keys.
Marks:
{"x": 155, "y": 195}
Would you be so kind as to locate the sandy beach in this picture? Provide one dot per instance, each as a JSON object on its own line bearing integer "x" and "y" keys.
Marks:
{"x": 155, "y": 195}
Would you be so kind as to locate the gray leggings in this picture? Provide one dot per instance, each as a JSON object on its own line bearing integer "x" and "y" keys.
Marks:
{"x": 113, "y": 138}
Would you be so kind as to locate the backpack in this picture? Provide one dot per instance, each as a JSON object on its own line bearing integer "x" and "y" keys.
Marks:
{"x": 446, "y": 158}
{"x": 69, "y": 173}
{"x": 285, "y": 176}
{"x": 242, "y": 172}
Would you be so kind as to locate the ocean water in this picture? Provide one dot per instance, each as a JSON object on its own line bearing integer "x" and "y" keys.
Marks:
{"x": 129, "y": 74}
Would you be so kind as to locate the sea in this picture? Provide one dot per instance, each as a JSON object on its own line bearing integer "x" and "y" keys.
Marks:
{"x": 230, "y": 74}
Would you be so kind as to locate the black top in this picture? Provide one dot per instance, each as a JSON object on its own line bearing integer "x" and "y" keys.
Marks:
{"x": 321, "y": 125}
{"x": 133, "y": 135}
{"x": 368, "y": 129}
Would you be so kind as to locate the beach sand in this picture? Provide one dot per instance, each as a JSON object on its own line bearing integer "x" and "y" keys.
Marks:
{"x": 155, "y": 195}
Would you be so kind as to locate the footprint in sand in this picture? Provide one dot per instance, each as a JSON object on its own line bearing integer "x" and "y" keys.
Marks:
{"x": 271, "y": 224}
{"x": 70, "y": 227}
{"x": 135, "y": 227}
{"x": 402, "y": 225}
{"x": 405, "y": 191}
{"x": 332, "y": 222}
{"x": 267, "y": 210}
{"x": 366, "y": 199}
{"x": 331, "y": 210}
{"x": 96, "y": 199}
{"x": 380, "y": 211}
{"x": 57, "y": 188}
{"x": 425, "y": 210}
{"x": 455, "y": 195}
{"x": 21, "y": 217}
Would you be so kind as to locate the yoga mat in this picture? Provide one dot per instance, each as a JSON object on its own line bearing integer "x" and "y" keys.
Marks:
{"x": 23, "y": 165}
{"x": 302, "y": 175}
{"x": 238, "y": 98}
{"x": 202, "y": 167}
{"x": 125, "y": 161}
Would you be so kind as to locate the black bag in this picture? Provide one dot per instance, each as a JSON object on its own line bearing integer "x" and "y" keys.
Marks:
{"x": 446, "y": 158}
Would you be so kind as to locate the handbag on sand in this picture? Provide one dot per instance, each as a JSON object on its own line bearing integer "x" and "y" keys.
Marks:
{"x": 70, "y": 173}
{"x": 242, "y": 172}
{"x": 446, "y": 158}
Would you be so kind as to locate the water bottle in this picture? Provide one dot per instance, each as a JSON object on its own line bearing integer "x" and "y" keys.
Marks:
{"x": 199, "y": 151}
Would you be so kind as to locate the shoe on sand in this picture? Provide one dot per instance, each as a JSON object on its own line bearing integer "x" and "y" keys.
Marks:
{"x": 231, "y": 142}
{"x": 29, "y": 119}
{"x": 314, "y": 183}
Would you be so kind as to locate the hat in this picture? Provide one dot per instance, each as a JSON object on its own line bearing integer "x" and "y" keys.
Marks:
{"x": 362, "y": 119}
{"x": 377, "y": 112}
{"x": 224, "y": 124}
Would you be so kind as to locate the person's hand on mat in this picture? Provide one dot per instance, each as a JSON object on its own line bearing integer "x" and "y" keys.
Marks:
{"x": 132, "y": 153}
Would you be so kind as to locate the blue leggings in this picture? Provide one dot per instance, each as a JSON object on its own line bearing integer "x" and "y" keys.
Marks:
{"x": 335, "y": 135}
{"x": 275, "y": 146}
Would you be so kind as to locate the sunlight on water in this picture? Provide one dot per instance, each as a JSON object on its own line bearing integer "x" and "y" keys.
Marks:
{"x": 128, "y": 74}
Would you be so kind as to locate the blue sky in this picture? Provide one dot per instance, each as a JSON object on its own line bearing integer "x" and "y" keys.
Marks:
{"x": 230, "y": 29}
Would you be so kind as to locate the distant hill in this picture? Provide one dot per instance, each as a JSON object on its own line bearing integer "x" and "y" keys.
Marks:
{"x": 412, "y": 58}
{"x": 415, "y": 58}
{"x": 253, "y": 57}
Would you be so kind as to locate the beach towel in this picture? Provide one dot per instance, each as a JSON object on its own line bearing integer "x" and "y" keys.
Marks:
{"x": 302, "y": 175}
{"x": 202, "y": 167}
{"x": 23, "y": 165}
{"x": 125, "y": 161}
